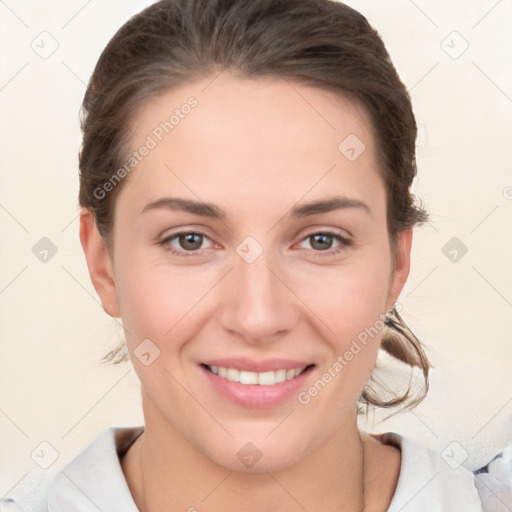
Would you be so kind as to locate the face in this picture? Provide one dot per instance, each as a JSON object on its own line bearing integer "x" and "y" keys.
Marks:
{"x": 250, "y": 244}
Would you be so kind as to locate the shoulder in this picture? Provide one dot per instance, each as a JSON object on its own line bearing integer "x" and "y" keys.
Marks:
{"x": 494, "y": 482}
{"x": 431, "y": 481}
{"x": 31, "y": 494}
{"x": 92, "y": 479}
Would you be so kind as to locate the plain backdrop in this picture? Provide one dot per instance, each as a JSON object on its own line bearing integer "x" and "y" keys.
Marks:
{"x": 455, "y": 58}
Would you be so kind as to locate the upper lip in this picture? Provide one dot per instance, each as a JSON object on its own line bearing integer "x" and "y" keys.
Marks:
{"x": 251, "y": 365}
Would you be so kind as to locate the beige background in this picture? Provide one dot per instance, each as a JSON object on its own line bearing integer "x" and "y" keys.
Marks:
{"x": 53, "y": 330}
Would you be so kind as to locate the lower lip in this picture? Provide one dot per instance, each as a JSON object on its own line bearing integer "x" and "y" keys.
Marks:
{"x": 254, "y": 395}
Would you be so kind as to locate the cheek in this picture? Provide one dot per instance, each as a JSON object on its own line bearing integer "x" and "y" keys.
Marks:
{"x": 163, "y": 307}
{"x": 350, "y": 299}
{"x": 165, "y": 304}
{"x": 354, "y": 309}
{"x": 155, "y": 302}
{"x": 351, "y": 303}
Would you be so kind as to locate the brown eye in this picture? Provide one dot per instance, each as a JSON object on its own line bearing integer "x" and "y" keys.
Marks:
{"x": 321, "y": 241}
{"x": 325, "y": 242}
{"x": 185, "y": 243}
{"x": 190, "y": 241}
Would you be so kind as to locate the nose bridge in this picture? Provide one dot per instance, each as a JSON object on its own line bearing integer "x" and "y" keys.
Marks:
{"x": 260, "y": 305}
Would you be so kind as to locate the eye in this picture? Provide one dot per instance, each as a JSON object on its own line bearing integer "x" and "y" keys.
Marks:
{"x": 323, "y": 242}
{"x": 185, "y": 242}
{"x": 188, "y": 243}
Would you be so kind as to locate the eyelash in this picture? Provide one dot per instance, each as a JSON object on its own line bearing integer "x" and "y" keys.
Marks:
{"x": 344, "y": 243}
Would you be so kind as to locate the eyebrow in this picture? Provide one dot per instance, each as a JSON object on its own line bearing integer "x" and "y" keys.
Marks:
{"x": 212, "y": 211}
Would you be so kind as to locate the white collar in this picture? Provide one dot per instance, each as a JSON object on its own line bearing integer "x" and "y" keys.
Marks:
{"x": 426, "y": 483}
{"x": 94, "y": 479}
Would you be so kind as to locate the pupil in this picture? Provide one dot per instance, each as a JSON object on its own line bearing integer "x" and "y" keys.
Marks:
{"x": 322, "y": 246}
{"x": 187, "y": 241}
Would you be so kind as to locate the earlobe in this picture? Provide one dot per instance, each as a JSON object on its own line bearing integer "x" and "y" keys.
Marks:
{"x": 99, "y": 263}
{"x": 402, "y": 266}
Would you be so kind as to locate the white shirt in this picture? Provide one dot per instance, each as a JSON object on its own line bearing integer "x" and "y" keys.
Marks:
{"x": 94, "y": 481}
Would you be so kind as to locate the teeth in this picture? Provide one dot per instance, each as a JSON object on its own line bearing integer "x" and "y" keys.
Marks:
{"x": 262, "y": 378}
{"x": 232, "y": 374}
{"x": 266, "y": 378}
{"x": 248, "y": 377}
{"x": 280, "y": 375}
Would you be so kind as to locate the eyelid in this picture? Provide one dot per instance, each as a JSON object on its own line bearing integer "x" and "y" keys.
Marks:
{"x": 330, "y": 231}
{"x": 183, "y": 230}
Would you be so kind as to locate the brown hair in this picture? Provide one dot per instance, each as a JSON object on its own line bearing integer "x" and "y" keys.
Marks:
{"x": 321, "y": 43}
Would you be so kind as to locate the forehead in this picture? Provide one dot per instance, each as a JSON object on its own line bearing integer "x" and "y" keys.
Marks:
{"x": 266, "y": 136}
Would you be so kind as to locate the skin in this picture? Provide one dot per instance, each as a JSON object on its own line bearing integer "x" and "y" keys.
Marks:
{"x": 255, "y": 148}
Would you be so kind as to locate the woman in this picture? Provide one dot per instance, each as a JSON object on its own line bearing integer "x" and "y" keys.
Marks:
{"x": 245, "y": 182}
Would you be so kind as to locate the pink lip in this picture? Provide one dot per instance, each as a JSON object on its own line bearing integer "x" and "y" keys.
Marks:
{"x": 251, "y": 365}
{"x": 256, "y": 396}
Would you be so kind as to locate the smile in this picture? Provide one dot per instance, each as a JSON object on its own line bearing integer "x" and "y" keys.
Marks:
{"x": 257, "y": 384}
{"x": 268, "y": 378}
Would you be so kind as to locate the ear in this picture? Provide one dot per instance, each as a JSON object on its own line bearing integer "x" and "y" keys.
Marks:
{"x": 401, "y": 266}
{"x": 99, "y": 263}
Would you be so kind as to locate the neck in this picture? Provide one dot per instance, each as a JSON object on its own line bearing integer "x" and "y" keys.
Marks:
{"x": 166, "y": 472}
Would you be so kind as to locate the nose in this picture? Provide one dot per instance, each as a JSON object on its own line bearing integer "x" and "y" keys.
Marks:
{"x": 259, "y": 304}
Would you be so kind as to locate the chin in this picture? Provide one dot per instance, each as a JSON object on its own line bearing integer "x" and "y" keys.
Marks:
{"x": 260, "y": 455}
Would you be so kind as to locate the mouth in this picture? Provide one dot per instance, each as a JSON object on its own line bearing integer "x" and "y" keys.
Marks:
{"x": 257, "y": 385}
{"x": 246, "y": 377}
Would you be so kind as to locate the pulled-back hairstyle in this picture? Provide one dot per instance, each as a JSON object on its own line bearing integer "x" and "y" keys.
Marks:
{"x": 320, "y": 43}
